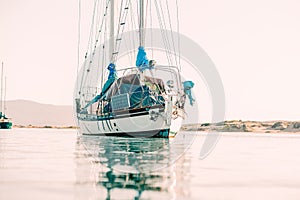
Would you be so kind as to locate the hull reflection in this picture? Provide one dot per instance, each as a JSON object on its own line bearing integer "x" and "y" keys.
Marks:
{"x": 131, "y": 168}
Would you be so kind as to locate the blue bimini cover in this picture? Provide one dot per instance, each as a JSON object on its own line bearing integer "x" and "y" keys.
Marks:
{"x": 142, "y": 61}
{"x": 142, "y": 97}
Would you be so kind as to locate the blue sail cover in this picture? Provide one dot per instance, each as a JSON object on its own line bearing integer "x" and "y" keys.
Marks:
{"x": 112, "y": 71}
{"x": 142, "y": 61}
{"x": 112, "y": 76}
{"x": 187, "y": 87}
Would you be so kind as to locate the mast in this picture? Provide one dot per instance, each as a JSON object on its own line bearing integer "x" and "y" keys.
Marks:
{"x": 1, "y": 106}
{"x": 112, "y": 30}
{"x": 141, "y": 24}
{"x": 4, "y": 101}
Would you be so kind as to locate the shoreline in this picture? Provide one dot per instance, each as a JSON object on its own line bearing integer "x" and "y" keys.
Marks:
{"x": 276, "y": 126}
{"x": 45, "y": 126}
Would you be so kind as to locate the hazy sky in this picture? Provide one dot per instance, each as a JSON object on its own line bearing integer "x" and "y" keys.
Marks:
{"x": 255, "y": 46}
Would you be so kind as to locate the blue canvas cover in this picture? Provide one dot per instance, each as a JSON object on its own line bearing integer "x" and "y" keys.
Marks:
{"x": 112, "y": 76}
{"x": 142, "y": 61}
{"x": 187, "y": 87}
{"x": 142, "y": 97}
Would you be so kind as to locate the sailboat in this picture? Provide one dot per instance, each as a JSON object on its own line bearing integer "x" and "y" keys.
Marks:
{"x": 146, "y": 100}
{"x": 5, "y": 122}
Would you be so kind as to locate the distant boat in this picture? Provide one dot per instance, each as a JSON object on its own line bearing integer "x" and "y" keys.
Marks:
{"x": 143, "y": 101}
{"x": 5, "y": 122}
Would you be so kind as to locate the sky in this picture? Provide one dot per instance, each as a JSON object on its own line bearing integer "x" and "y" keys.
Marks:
{"x": 254, "y": 45}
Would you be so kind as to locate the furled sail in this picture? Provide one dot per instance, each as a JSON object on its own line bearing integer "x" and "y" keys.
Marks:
{"x": 187, "y": 87}
{"x": 142, "y": 61}
{"x": 112, "y": 76}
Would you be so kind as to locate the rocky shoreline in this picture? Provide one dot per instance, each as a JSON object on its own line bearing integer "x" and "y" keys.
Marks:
{"x": 46, "y": 126}
{"x": 226, "y": 126}
{"x": 246, "y": 126}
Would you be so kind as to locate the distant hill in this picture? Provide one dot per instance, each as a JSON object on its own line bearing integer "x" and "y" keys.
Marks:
{"x": 26, "y": 112}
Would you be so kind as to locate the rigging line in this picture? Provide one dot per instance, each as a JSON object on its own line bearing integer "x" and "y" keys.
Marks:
{"x": 100, "y": 7}
{"x": 167, "y": 51}
{"x": 97, "y": 19}
{"x": 137, "y": 11}
{"x": 151, "y": 29}
{"x": 132, "y": 28}
{"x": 172, "y": 37}
{"x": 121, "y": 23}
{"x": 162, "y": 32}
{"x": 98, "y": 34}
{"x": 145, "y": 19}
{"x": 178, "y": 31}
{"x": 125, "y": 17}
{"x": 89, "y": 46}
{"x": 118, "y": 31}
{"x": 83, "y": 72}
{"x": 167, "y": 39}
{"x": 101, "y": 51}
{"x": 91, "y": 29}
{"x": 121, "y": 35}
{"x": 104, "y": 53}
{"x": 103, "y": 33}
{"x": 128, "y": 45}
{"x": 78, "y": 39}
{"x": 89, "y": 43}
{"x": 4, "y": 98}
{"x": 179, "y": 46}
{"x": 92, "y": 26}
{"x": 103, "y": 19}
{"x": 165, "y": 27}
{"x": 133, "y": 25}
{"x": 120, "y": 17}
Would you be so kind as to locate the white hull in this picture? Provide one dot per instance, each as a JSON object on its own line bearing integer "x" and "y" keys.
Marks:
{"x": 139, "y": 124}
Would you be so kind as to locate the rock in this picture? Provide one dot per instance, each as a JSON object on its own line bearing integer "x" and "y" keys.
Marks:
{"x": 205, "y": 124}
{"x": 220, "y": 124}
{"x": 268, "y": 132}
{"x": 265, "y": 124}
{"x": 296, "y": 125}
{"x": 235, "y": 128}
{"x": 278, "y": 126}
{"x": 244, "y": 127}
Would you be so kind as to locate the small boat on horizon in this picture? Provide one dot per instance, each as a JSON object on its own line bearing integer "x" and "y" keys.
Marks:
{"x": 5, "y": 122}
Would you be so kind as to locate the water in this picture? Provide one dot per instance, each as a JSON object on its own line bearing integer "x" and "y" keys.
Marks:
{"x": 55, "y": 164}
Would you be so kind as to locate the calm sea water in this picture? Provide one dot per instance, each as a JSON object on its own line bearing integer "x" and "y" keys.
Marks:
{"x": 56, "y": 164}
